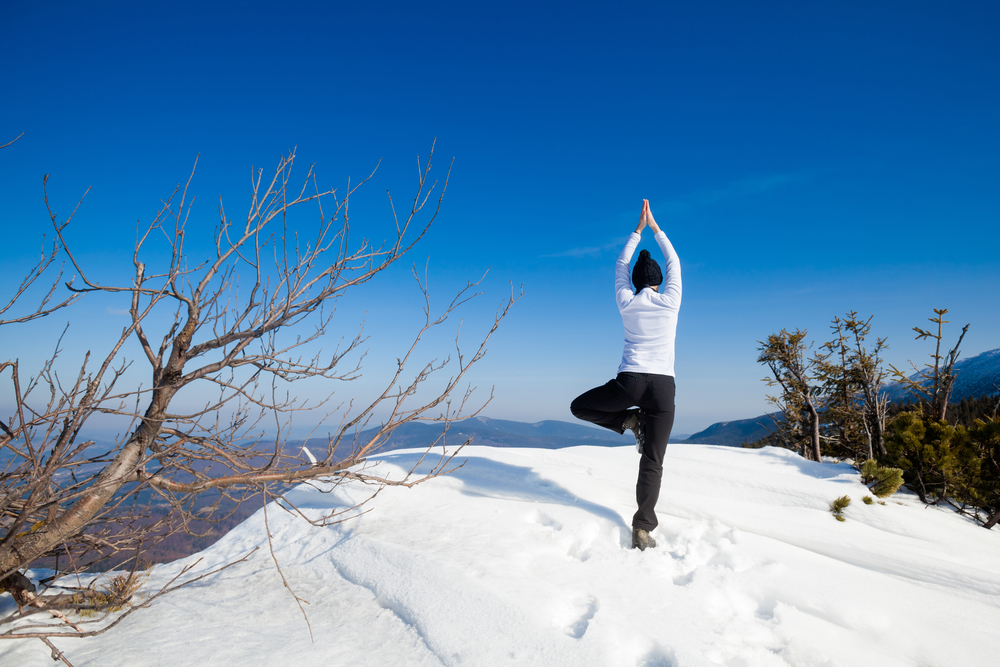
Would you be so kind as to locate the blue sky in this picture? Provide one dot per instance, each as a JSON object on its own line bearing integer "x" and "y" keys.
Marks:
{"x": 804, "y": 158}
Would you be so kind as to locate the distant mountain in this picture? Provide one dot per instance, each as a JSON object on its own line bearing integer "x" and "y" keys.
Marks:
{"x": 735, "y": 433}
{"x": 977, "y": 376}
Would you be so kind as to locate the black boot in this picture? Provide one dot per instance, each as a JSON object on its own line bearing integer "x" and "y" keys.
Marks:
{"x": 641, "y": 539}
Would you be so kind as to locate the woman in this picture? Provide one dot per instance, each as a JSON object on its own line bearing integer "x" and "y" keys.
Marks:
{"x": 646, "y": 373}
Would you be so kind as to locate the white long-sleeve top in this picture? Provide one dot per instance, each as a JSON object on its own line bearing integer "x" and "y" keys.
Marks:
{"x": 649, "y": 317}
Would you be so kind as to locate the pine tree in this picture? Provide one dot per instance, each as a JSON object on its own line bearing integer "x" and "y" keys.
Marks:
{"x": 785, "y": 354}
{"x": 841, "y": 423}
{"x": 967, "y": 411}
{"x": 855, "y": 409}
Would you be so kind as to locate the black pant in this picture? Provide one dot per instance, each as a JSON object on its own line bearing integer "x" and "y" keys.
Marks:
{"x": 608, "y": 406}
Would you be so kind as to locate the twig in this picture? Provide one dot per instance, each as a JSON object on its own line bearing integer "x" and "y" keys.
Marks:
{"x": 284, "y": 581}
{"x": 56, "y": 653}
{"x": 12, "y": 140}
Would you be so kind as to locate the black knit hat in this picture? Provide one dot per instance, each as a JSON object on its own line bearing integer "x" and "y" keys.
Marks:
{"x": 646, "y": 271}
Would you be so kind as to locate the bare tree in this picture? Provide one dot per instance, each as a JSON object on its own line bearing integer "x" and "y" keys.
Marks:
{"x": 934, "y": 382}
{"x": 785, "y": 354}
{"x": 244, "y": 323}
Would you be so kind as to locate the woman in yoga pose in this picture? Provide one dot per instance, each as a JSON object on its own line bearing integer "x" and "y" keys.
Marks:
{"x": 641, "y": 397}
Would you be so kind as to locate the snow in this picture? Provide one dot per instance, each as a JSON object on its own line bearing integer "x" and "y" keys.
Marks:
{"x": 521, "y": 558}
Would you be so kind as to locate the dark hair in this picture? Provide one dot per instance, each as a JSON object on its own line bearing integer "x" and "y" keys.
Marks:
{"x": 646, "y": 271}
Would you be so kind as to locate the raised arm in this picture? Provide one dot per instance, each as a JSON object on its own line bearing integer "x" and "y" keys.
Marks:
{"x": 644, "y": 218}
{"x": 671, "y": 287}
{"x": 623, "y": 278}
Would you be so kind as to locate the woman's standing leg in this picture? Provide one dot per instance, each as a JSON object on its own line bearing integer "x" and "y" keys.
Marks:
{"x": 657, "y": 403}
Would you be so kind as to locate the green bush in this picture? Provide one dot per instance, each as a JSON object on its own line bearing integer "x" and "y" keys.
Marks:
{"x": 838, "y": 506}
{"x": 882, "y": 481}
{"x": 984, "y": 489}
{"x": 937, "y": 458}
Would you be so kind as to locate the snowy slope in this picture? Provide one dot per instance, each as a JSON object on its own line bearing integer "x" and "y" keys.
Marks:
{"x": 521, "y": 558}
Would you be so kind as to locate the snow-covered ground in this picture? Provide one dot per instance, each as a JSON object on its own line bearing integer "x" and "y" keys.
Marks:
{"x": 521, "y": 558}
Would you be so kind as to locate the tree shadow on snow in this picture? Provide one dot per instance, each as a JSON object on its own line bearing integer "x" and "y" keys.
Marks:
{"x": 482, "y": 476}
{"x": 789, "y": 459}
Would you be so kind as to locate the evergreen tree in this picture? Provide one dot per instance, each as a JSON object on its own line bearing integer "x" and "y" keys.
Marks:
{"x": 855, "y": 410}
{"x": 785, "y": 354}
{"x": 841, "y": 424}
{"x": 970, "y": 410}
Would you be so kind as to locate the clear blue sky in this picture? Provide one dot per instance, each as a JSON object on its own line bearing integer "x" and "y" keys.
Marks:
{"x": 804, "y": 158}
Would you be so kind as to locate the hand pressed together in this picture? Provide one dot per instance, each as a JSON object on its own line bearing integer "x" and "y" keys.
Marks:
{"x": 646, "y": 218}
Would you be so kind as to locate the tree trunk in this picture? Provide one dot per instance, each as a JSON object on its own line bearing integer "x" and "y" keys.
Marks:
{"x": 870, "y": 436}
{"x": 27, "y": 548}
{"x": 78, "y": 516}
{"x": 813, "y": 428}
{"x": 18, "y": 586}
{"x": 876, "y": 435}
{"x": 921, "y": 489}
{"x": 992, "y": 521}
{"x": 880, "y": 449}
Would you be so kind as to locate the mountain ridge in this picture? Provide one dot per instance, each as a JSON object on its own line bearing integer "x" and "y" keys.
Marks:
{"x": 975, "y": 377}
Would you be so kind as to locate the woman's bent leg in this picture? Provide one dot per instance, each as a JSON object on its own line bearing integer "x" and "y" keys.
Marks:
{"x": 608, "y": 404}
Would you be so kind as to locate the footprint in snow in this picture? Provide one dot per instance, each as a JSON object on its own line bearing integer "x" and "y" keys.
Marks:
{"x": 586, "y": 607}
{"x": 658, "y": 657}
{"x": 543, "y": 519}
{"x": 705, "y": 544}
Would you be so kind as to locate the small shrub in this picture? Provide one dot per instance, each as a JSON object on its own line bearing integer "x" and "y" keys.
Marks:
{"x": 838, "y": 506}
{"x": 114, "y": 595}
{"x": 122, "y": 587}
{"x": 882, "y": 481}
{"x": 867, "y": 500}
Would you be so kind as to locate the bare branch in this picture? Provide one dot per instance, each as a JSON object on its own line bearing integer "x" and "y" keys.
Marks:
{"x": 12, "y": 140}
{"x": 245, "y": 324}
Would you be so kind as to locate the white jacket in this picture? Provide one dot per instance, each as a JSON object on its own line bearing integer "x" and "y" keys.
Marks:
{"x": 649, "y": 317}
